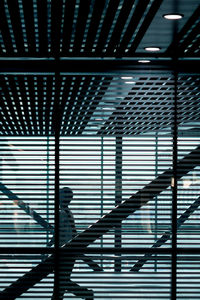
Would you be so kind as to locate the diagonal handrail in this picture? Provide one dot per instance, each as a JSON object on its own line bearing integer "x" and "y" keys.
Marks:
{"x": 31, "y": 212}
{"x": 42, "y": 222}
{"x": 166, "y": 236}
{"x": 104, "y": 224}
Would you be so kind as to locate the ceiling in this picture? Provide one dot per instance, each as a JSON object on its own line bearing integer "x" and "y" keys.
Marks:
{"x": 93, "y": 28}
{"x": 94, "y": 104}
{"x": 73, "y": 55}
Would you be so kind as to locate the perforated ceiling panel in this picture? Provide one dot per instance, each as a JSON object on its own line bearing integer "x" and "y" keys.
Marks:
{"x": 102, "y": 105}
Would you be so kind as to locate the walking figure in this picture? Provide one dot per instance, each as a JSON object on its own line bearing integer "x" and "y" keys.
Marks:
{"x": 67, "y": 231}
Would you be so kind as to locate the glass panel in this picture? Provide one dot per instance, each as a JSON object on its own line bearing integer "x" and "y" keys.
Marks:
{"x": 188, "y": 148}
{"x": 26, "y": 191}
{"x": 15, "y": 266}
{"x": 129, "y": 285}
{"x": 87, "y": 166}
{"x": 188, "y": 275}
{"x": 145, "y": 159}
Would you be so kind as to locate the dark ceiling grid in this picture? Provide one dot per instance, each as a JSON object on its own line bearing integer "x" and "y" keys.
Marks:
{"x": 67, "y": 27}
{"x": 96, "y": 94}
{"x": 13, "y": 103}
{"x": 191, "y": 44}
{"x": 114, "y": 41}
{"x": 30, "y": 81}
{"x": 131, "y": 28}
{"x": 41, "y": 99}
{"x": 47, "y": 106}
{"x": 2, "y": 45}
{"x": 42, "y": 27}
{"x": 144, "y": 26}
{"x": 23, "y": 95}
{"x": 8, "y": 116}
{"x": 73, "y": 31}
{"x": 194, "y": 50}
{"x": 112, "y": 28}
{"x": 154, "y": 108}
{"x": 15, "y": 88}
{"x": 188, "y": 99}
{"x": 69, "y": 110}
{"x": 83, "y": 102}
{"x": 65, "y": 99}
{"x": 137, "y": 111}
{"x": 24, "y": 32}
{"x": 182, "y": 39}
{"x": 29, "y": 26}
{"x": 5, "y": 31}
{"x": 93, "y": 30}
{"x": 16, "y": 20}
{"x": 56, "y": 12}
{"x": 81, "y": 98}
{"x": 118, "y": 91}
{"x": 27, "y": 104}
{"x": 84, "y": 9}
{"x": 106, "y": 26}
{"x": 5, "y": 129}
{"x": 53, "y": 116}
{"x": 36, "y": 27}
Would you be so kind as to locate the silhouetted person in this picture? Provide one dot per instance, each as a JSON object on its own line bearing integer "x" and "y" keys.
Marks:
{"x": 67, "y": 231}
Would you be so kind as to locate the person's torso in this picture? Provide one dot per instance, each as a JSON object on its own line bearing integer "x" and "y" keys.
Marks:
{"x": 67, "y": 227}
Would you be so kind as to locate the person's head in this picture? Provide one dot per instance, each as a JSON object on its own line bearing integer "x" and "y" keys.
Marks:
{"x": 66, "y": 195}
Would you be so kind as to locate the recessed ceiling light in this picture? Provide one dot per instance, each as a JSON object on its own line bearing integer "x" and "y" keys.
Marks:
{"x": 130, "y": 82}
{"x": 98, "y": 119}
{"x": 173, "y": 16}
{"x": 126, "y": 77}
{"x": 144, "y": 61}
{"x": 152, "y": 49}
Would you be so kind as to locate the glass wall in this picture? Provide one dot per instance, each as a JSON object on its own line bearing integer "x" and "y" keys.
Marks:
{"x": 129, "y": 180}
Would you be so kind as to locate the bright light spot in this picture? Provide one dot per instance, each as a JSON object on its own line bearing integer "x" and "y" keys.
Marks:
{"x": 144, "y": 61}
{"x": 173, "y": 16}
{"x": 126, "y": 77}
{"x": 152, "y": 49}
{"x": 130, "y": 82}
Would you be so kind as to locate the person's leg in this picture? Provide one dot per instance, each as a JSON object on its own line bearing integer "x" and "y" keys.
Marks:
{"x": 65, "y": 270}
{"x": 67, "y": 285}
{"x": 78, "y": 290}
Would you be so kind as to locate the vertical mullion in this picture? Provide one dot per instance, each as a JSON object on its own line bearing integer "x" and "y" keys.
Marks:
{"x": 118, "y": 199}
{"x": 47, "y": 179}
{"x": 57, "y": 183}
{"x": 174, "y": 197}
{"x": 102, "y": 186}
{"x": 156, "y": 198}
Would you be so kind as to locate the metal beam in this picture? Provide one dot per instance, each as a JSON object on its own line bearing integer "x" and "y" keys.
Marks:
{"x": 73, "y": 66}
